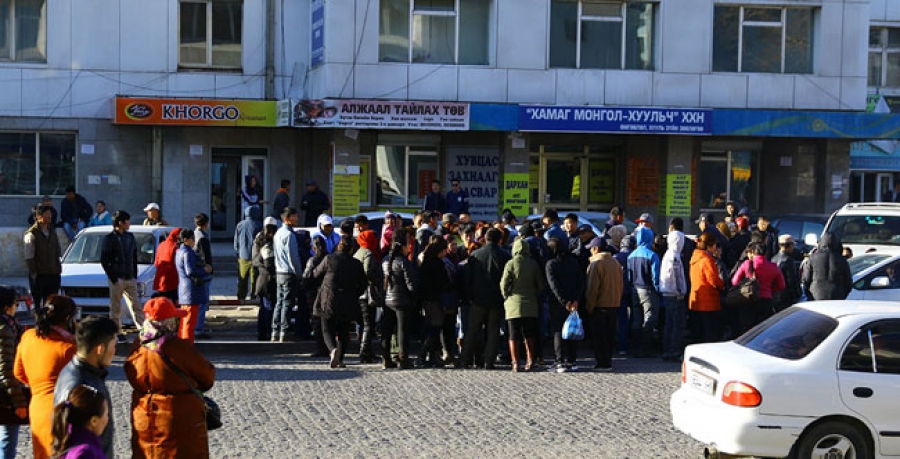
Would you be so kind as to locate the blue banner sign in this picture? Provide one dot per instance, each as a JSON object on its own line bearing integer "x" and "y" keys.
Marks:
{"x": 640, "y": 120}
{"x": 317, "y": 55}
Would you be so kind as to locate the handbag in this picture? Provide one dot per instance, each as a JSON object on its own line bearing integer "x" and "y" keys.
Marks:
{"x": 210, "y": 407}
{"x": 745, "y": 292}
{"x": 573, "y": 329}
{"x": 8, "y": 413}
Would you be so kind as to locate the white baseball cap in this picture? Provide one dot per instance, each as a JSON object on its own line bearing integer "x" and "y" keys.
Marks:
{"x": 151, "y": 206}
{"x": 270, "y": 221}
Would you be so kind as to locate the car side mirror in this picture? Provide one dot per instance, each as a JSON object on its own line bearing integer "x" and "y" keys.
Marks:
{"x": 811, "y": 239}
{"x": 880, "y": 282}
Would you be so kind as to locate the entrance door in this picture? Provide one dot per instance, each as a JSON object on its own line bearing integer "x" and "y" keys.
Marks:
{"x": 884, "y": 182}
{"x": 228, "y": 169}
{"x": 575, "y": 182}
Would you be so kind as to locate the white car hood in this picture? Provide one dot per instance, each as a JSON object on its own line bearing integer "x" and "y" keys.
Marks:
{"x": 92, "y": 275}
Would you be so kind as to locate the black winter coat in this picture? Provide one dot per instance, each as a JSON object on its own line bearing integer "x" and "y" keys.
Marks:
{"x": 565, "y": 279}
{"x": 736, "y": 248}
{"x": 118, "y": 256}
{"x": 827, "y": 274}
{"x": 266, "y": 286}
{"x": 402, "y": 283}
{"x": 790, "y": 270}
{"x": 343, "y": 281}
{"x": 484, "y": 270}
{"x": 10, "y": 332}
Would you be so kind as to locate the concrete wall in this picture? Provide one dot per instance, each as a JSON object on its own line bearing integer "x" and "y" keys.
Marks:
{"x": 520, "y": 73}
{"x": 12, "y": 258}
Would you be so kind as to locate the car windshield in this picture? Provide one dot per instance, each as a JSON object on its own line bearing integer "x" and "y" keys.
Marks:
{"x": 87, "y": 246}
{"x": 791, "y": 334}
{"x": 860, "y": 263}
{"x": 866, "y": 229}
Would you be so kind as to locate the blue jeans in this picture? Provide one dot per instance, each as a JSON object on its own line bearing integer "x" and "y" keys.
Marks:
{"x": 9, "y": 437}
{"x": 287, "y": 294}
{"x": 72, "y": 230}
{"x": 673, "y": 335}
{"x": 201, "y": 319}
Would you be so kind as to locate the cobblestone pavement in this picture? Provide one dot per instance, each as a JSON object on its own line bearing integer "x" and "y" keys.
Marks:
{"x": 290, "y": 406}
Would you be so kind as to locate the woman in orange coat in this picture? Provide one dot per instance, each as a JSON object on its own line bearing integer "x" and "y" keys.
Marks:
{"x": 167, "y": 418}
{"x": 41, "y": 355}
{"x": 706, "y": 286}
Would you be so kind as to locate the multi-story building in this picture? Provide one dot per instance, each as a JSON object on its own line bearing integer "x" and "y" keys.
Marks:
{"x": 667, "y": 106}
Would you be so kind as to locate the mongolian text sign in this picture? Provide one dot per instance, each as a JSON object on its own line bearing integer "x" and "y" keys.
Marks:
{"x": 345, "y": 195}
{"x": 642, "y": 120}
{"x": 194, "y": 112}
{"x": 378, "y": 114}
{"x": 478, "y": 172}
{"x": 678, "y": 195}
{"x": 317, "y": 42}
{"x": 516, "y": 193}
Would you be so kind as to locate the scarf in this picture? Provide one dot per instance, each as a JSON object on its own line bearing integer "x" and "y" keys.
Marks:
{"x": 155, "y": 333}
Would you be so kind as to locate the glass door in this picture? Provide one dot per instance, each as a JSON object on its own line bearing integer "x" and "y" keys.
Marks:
{"x": 884, "y": 184}
{"x": 224, "y": 188}
{"x": 561, "y": 184}
{"x": 254, "y": 166}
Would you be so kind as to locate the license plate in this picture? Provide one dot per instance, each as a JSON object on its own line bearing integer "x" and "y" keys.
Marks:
{"x": 702, "y": 382}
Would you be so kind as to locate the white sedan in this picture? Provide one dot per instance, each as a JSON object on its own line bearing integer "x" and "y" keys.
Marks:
{"x": 818, "y": 380}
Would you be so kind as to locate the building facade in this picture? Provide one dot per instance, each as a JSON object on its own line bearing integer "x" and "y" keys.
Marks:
{"x": 671, "y": 107}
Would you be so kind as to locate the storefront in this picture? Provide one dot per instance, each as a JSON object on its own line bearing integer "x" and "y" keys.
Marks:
{"x": 875, "y": 164}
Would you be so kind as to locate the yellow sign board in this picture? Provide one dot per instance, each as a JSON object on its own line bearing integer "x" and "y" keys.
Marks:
{"x": 678, "y": 195}
{"x": 515, "y": 193}
{"x": 346, "y": 194}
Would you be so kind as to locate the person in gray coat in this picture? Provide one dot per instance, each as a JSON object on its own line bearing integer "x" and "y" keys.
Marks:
{"x": 244, "y": 235}
{"x": 827, "y": 273}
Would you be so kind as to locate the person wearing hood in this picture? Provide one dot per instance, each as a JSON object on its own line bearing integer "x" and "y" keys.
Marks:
{"x": 565, "y": 278}
{"x": 325, "y": 230}
{"x": 673, "y": 286}
{"x": 629, "y": 296}
{"x": 315, "y": 202}
{"x": 251, "y": 196}
{"x": 392, "y": 221}
{"x": 101, "y": 216}
{"x": 643, "y": 268}
{"x": 370, "y": 257}
{"x": 165, "y": 282}
{"x": 736, "y": 247}
{"x": 827, "y": 274}
{"x": 770, "y": 281}
{"x": 244, "y": 234}
{"x": 337, "y": 304}
{"x": 521, "y": 285}
{"x": 605, "y": 286}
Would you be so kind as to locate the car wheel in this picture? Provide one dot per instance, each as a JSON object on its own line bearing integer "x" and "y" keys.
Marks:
{"x": 833, "y": 440}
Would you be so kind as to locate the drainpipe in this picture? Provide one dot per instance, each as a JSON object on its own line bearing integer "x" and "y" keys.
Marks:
{"x": 270, "y": 49}
{"x": 156, "y": 166}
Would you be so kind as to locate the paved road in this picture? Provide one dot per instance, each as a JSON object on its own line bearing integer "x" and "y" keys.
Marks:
{"x": 290, "y": 406}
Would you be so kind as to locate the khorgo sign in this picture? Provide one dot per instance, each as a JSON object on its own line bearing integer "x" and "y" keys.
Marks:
{"x": 379, "y": 114}
{"x": 694, "y": 121}
{"x": 195, "y": 112}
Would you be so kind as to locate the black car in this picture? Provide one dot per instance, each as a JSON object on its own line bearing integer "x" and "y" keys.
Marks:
{"x": 799, "y": 226}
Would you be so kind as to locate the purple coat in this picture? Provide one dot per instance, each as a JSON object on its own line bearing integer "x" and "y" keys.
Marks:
{"x": 85, "y": 445}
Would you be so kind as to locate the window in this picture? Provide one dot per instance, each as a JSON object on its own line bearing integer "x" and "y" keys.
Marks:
{"x": 404, "y": 174}
{"x": 791, "y": 334}
{"x": 866, "y": 229}
{"x": 36, "y": 164}
{"x": 762, "y": 40}
{"x": 435, "y": 31}
{"x": 728, "y": 176}
{"x": 884, "y": 57}
{"x": 881, "y": 337}
{"x": 209, "y": 33}
{"x": 592, "y": 34}
{"x": 23, "y": 30}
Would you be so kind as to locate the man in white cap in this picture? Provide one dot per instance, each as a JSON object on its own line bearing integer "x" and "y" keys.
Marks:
{"x": 787, "y": 263}
{"x": 325, "y": 230}
{"x": 154, "y": 216}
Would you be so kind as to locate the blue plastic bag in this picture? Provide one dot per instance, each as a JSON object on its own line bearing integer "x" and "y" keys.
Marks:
{"x": 573, "y": 329}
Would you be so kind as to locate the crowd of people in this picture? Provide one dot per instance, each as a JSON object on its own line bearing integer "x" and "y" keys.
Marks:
{"x": 461, "y": 286}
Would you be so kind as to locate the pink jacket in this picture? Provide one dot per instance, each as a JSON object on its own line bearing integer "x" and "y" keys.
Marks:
{"x": 768, "y": 276}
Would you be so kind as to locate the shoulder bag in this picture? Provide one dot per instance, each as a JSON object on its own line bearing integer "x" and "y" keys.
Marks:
{"x": 745, "y": 292}
{"x": 213, "y": 412}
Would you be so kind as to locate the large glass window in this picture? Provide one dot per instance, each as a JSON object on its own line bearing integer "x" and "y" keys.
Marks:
{"x": 36, "y": 164}
{"x": 728, "y": 176}
{"x": 210, "y": 33}
{"x": 404, "y": 174}
{"x": 593, "y": 34}
{"x": 23, "y": 30}
{"x": 884, "y": 57}
{"x": 435, "y": 31}
{"x": 762, "y": 39}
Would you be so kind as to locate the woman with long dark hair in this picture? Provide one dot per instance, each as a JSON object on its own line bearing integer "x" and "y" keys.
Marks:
{"x": 15, "y": 405}
{"x": 250, "y": 195}
{"x": 42, "y": 354}
{"x": 309, "y": 285}
{"x": 263, "y": 259}
{"x": 401, "y": 283}
{"x": 435, "y": 281}
{"x": 78, "y": 423}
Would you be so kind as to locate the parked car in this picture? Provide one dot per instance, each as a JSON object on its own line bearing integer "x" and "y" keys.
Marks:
{"x": 83, "y": 278}
{"x": 866, "y": 227}
{"x": 876, "y": 276}
{"x": 818, "y": 379}
{"x": 800, "y": 226}
{"x": 596, "y": 220}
